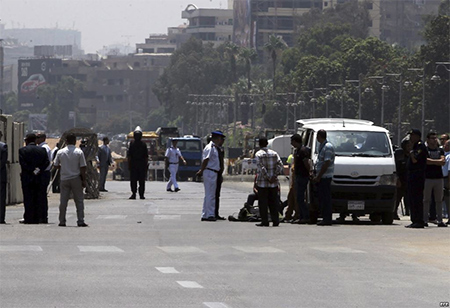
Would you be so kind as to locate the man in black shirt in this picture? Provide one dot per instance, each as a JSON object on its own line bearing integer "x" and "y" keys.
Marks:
{"x": 434, "y": 179}
{"x": 137, "y": 163}
{"x": 416, "y": 165}
{"x": 302, "y": 168}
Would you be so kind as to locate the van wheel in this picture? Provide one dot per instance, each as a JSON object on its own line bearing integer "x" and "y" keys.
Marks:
{"x": 375, "y": 217}
{"x": 387, "y": 218}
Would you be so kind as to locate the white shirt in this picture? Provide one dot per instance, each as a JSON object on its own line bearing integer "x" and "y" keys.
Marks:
{"x": 173, "y": 154}
{"x": 49, "y": 154}
{"x": 210, "y": 151}
{"x": 71, "y": 159}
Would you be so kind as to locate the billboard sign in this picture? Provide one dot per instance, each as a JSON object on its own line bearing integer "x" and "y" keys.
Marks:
{"x": 33, "y": 73}
{"x": 242, "y": 23}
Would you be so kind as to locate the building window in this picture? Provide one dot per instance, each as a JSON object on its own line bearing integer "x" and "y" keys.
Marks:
{"x": 137, "y": 64}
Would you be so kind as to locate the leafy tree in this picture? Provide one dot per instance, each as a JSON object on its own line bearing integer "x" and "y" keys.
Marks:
{"x": 273, "y": 46}
{"x": 11, "y": 104}
{"x": 249, "y": 55}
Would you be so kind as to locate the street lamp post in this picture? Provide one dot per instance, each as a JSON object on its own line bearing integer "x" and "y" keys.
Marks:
{"x": 436, "y": 77}
{"x": 422, "y": 76}
{"x": 380, "y": 80}
{"x": 359, "y": 81}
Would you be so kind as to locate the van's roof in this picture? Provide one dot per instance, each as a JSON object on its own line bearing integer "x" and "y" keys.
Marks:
{"x": 339, "y": 124}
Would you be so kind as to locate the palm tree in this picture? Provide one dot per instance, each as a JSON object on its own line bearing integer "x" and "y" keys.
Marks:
{"x": 248, "y": 55}
{"x": 232, "y": 50}
{"x": 274, "y": 45}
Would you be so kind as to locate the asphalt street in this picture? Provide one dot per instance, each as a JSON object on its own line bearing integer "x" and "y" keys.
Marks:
{"x": 157, "y": 253}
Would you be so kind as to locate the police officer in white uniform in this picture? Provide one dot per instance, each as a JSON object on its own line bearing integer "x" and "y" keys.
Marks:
{"x": 172, "y": 157}
{"x": 210, "y": 169}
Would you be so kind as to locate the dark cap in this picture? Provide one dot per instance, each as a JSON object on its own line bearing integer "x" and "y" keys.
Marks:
{"x": 415, "y": 131}
{"x": 31, "y": 137}
{"x": 218, "y": 133}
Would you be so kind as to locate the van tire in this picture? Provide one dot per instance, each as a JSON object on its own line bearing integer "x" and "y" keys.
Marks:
{"x": 375, "y": 217}
{"x": 387, "y": 218}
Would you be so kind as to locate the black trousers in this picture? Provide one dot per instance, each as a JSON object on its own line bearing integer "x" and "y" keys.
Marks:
{"x": 31, "y": 197}
{"x": 268, "y": 199}
{"x": 138, "y": 174}
{"x": 2, "y": 200}
{"x": 218, "y": 188}
{"x": 415, "y": 186}
{"x": 43, "y": 202}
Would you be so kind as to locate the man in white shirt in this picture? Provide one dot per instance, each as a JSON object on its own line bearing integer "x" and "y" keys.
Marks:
{"x": 72, "y": 164}
{"x": 210, "y": 169}
{"x": 46, "y": 176}
{"x": 172, "y": 157}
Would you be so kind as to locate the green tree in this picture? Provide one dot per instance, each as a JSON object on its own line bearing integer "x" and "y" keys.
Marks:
{"x": 249, "y": 55}
{"x": 273, "y": 47}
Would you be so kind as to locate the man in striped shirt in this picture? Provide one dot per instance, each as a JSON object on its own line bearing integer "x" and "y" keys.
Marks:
{"x": 269, "y": 166}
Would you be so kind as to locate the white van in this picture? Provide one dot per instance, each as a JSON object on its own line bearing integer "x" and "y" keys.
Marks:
{"x": 281, "y": 145}
{"x": 364, "y": 180}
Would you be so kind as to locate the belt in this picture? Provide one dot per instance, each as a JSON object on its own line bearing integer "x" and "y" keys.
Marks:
{"x": 216, "y": 171}
{"x": 173, "y": 163}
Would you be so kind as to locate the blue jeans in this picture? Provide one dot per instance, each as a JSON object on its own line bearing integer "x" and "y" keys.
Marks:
{"x": 324, "y": 191}
{"x": 301, "y": 183}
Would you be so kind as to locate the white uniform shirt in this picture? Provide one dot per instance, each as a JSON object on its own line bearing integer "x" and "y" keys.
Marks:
{"x": 173, "y": 154}
{"x": 71, "y": 159}
{"x": 210, "y": 151}
{"x": 49, "y": 154}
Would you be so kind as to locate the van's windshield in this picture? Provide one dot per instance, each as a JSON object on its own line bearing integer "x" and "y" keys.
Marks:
{"x": 189, "y": 145}
{"x": 360, "y": 143}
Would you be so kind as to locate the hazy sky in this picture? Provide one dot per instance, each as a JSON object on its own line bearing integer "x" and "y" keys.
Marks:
{"x": 101, "y": 22}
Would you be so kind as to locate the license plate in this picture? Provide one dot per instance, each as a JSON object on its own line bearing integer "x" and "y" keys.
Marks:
{"x": 356, "y": 205}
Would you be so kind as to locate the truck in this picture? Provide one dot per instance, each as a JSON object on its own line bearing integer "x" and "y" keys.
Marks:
{"x": 191, "y": 148}
{"x": 364, "y": 180}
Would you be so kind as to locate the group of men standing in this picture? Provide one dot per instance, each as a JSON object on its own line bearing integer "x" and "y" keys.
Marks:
{"x": 427, "y": 175}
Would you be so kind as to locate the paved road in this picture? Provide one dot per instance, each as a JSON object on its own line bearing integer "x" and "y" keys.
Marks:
{"x": 157, "y": 253}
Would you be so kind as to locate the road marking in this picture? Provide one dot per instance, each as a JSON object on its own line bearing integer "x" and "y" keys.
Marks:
{"x": 181, "y": 249}
{"x": 20, "y": 248}
{"x": 111, "y": 216}
{"x": 190, "y": 284}
{"x": 215, "y": 305}
{"x": 250, "y": 249}
{"x": 167, "y": 217}
{"x": 338, "y": 250}
{"x": 99, "y": 249}
{"x": 167, "y": 270}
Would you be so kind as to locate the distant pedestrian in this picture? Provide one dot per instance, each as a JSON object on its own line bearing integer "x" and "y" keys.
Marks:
{"x": 269, "y": 166}
{"x": 172, "y": 158}
{"x": 72, "y": 165}
{"x": 416, "y": 166}
{"x": 46, "y": 177}
{"x": 302, "y": 162}
{"x": 210, "y": 169}
{"x": 3, "y": 178}
{"x": 324, "y": 173}
{"x": 105, "y": 160}
{"x": 33, "y": 162}
{"x": 137, "y": 163}
{"x": 434, "y": 182}
{"x": 221, "y": 153}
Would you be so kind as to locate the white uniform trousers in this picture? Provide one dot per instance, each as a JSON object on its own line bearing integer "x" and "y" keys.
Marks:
{"x": 173, "y": 169}
{"x": 210, "y": 184}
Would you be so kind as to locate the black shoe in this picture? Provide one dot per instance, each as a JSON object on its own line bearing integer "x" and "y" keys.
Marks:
{"x": 416, "y": 226}
{"x": 141, "y": 197}
{"x": 177, "y": 189}
{"x": 324, "y": 223}
{"x": 262, "y": 225}
{"x": 133, "y": 197}
{"x": 62, "y": 224}
{"x": 220, "y": 218}
{"x": 396, "y": 217}
{"x": 82, "y": 224}
{"x": 425, "y": 224}
{"x": 442, "y": 225}
{"x": 103, "y": 190}
{"x": 2, "y": 222}
{"x": 275, "y": 224}
{"x": 448, "y": 222}
{"x": 169, "y": 189}
{"x": 22, "y": 221}
{"x": 209, "y": 219}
